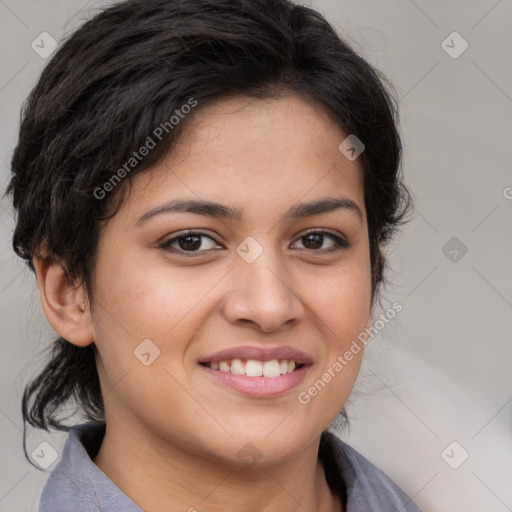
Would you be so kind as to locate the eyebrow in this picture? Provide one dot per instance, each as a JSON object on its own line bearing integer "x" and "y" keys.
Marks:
{"x": 221, "y": 211}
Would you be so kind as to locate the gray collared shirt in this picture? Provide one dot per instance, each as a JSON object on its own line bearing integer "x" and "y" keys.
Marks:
{"x": 77, "y": 485}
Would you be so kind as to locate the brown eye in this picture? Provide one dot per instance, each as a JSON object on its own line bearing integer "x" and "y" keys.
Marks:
{"x": 190, "y": 242}
{"x": 315, "y": 239}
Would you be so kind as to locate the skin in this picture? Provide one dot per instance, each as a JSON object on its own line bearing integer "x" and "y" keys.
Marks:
{"x": 173, "y": 434}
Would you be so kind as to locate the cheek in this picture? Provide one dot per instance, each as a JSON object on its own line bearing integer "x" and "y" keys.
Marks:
{"x": 341, "y": 302}
{"x": 136, "y": 302}
{"x": 341, "y": 308}
{"x": 150, "y": 300}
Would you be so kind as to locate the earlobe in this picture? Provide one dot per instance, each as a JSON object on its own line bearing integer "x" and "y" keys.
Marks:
{"x": 63, "y": 302}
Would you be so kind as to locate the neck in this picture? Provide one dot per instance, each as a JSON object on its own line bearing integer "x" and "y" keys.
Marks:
{"x": 158, "y": 475}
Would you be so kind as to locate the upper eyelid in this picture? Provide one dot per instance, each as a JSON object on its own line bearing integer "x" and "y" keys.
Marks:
{"x": 190, "y": 232}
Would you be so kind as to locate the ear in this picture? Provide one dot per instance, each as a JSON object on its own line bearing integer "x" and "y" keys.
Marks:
{"x": 64, "y": 302}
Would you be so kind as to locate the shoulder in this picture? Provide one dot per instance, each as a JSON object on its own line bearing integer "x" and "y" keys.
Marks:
{"x": 364, "y": 486}
{"x": 76, "y": 484}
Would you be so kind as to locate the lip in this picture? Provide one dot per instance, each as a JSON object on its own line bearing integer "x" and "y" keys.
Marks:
{"x": 260, "y": 354}
{"x": 258, "y": 386}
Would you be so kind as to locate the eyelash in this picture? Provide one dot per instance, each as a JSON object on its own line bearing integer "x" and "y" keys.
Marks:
{"x": 341, "y": 244}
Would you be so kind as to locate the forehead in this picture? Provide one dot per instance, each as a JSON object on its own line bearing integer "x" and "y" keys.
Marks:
{"x": 253, "y": 154}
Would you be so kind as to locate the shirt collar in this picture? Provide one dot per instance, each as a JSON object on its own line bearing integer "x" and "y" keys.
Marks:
{"x": 77, "y": 480}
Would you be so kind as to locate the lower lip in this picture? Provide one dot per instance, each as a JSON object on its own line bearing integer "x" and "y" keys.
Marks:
{"x": 259, "y": 386}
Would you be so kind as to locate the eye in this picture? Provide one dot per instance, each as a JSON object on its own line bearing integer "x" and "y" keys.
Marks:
{"x": 314, "y": 241}
{"x": 190, "y": 241}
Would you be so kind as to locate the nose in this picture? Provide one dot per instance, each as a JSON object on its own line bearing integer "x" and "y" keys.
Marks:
{"x": 262, "y": 294}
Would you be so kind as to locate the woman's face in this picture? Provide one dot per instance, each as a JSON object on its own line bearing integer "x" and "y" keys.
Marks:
{"x": 256, "y": 280}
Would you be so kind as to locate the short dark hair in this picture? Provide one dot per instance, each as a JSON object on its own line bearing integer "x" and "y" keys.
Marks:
{"x": 127, "y": 71}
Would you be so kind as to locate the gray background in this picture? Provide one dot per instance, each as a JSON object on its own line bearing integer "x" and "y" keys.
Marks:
{"x": 441, "y": 372}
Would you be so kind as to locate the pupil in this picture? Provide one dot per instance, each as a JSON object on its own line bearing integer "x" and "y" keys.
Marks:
{"x": 191, "y": 245}
{"x": 317, "y": 240}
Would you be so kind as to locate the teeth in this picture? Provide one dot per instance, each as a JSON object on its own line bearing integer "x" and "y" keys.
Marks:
{"x": 237, "y": 367}
{"x": 272, "y": 368}
{"x": 254, "y": 368}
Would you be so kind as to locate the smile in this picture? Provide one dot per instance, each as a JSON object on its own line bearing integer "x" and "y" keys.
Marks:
{"x": 261, "y": 379}
{"x": 255, "y": 368}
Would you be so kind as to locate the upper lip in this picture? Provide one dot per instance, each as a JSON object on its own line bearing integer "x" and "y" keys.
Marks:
{"x": 258, "y": 353}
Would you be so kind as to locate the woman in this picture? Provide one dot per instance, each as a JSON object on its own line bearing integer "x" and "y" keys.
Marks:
{"x": 204, "y": 189}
